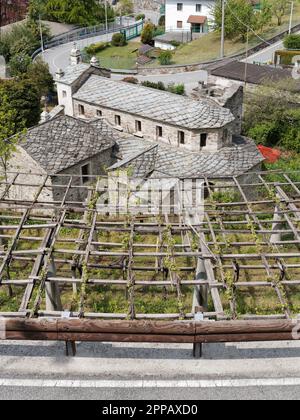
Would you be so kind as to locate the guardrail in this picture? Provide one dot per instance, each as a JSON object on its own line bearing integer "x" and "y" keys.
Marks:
{"x": 84, "y": 33}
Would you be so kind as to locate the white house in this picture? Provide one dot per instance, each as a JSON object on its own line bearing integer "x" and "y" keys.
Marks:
{"x": 189, "y": 15}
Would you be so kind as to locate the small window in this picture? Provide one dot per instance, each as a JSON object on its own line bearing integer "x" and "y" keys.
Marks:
{"x": 138, "y": 126}
{"x": 64, "y": 94}
{"x": 159, "y": 131}
{"x": 99, "y": 113}
{"x": 118, "y": 120}
{"x": 81, "y": 110}
{"x": 198, "y": 7}
{"x": 203, "y": 140}
{"x": 181, "y": 137}
{"x": 179, "y": 7}
{"x": 179, "y": 24}
{"x": 85, "y": 172}
{"x": 225, "y": 135}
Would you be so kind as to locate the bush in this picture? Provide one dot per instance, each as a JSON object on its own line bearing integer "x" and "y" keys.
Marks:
{"x": 175, "y": 43}
{"x": 131, "y": 79}
{"x": 147, "y": 34}
{"x": 292, "y": 42}
{"x": 162, "y": 21}
{"x": 118, "y": 40}
{"x": 96, "y": 48}
{"x": 177, "y": 89}
{"x": 153, "y": 85}
{"x": 141, "y": 16}
{"x": 165, "y": 58}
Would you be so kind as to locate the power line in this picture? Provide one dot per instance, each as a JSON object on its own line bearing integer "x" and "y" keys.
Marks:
{"x": 244, "y": 24}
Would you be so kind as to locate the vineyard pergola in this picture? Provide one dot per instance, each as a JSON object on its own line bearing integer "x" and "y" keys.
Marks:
{"x": 70, "y": 271}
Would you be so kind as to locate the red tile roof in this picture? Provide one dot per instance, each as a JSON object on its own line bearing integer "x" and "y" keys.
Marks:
{"x": 197, "y": 19}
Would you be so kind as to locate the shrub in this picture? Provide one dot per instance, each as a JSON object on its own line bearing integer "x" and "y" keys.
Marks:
{"x": 141, "y": 16}
{"x": 162, "y": 21}
{"x": 118, "y": 40}
{"x": 165, "y": 58}
{"x": 292, "y": 42}
{"x": 177, "y": 89}
{"x": 96, "y": 48}
{"x": 153, "y": 85}
{"x": 131, "y": 79}
{"x": 175, "y": 43}
{"x": 147, "y": 34}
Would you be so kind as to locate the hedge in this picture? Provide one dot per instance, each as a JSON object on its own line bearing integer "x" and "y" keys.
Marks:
{"x": 96, "y": 48}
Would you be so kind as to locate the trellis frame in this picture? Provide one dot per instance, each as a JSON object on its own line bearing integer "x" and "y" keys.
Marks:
{"x": 266, "y": 208}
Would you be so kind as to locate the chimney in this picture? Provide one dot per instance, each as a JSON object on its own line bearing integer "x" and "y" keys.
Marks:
{"x": 95, "y": 62}
{"x": 59, "y": 74}
{"x": 75, "y": 56}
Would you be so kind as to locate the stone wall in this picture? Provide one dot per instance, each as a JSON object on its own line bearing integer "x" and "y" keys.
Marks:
{"x": 153, "y": 5}
{"x": 33, "y": 174}
{"x": 149, "y": 129}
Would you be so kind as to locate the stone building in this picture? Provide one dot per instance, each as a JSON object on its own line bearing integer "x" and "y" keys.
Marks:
{"x": 62, "y": 146}
{"x": 191, "y": 136}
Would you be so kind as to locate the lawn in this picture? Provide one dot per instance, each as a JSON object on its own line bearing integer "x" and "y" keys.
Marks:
{"x": 119, "y": 57}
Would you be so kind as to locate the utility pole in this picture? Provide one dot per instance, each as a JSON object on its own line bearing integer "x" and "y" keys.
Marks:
{"x": 106, "y": 20}
{"x": 41, "y": 34}
{"x": 223, "y": 31}
{"x": 291, "y": 17}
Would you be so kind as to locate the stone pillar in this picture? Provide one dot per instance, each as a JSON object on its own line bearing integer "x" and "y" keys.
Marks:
{"x": 277, "y": 225}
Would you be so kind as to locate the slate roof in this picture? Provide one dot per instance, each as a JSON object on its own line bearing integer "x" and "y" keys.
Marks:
{"x": 65, "y": 141}
{"x": 256, "y": 74}
{"x": 153, "y": 104}
{"x": 72, "y": 73}
{"x": 235, "y": 160}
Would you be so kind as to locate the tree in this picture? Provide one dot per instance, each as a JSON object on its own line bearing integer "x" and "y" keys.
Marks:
{"x": 39, "y": 74}
{"x": 9, "y": 136}
{"x": 264, "y": 18}
{"x": 147, "y": 33}
{"x": 37, "y": 9}
{"x": 125, "y": 7}
{"x": 280, "y": 9}
{"x": 239, "y": 16}
{"x": 19, "y": 64}
{"x": 272, "y": 116}
{"x": 24, "y": 99}
{"x": 78, "y": 12}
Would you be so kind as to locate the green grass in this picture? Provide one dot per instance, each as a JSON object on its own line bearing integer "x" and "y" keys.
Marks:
{"x": 119, "y": 57}
{"x": 208, "y": 47}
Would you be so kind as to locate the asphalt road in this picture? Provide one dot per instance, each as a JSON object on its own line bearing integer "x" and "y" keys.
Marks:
{"x": 103, "y": 371}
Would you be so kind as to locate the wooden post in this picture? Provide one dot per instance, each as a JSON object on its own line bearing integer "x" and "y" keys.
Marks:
{"x": 53, "y": 301}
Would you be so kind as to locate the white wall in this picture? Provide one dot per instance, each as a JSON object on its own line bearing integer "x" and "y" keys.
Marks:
{"x": 189, "y": 8}
{"x": 65, "y": 99}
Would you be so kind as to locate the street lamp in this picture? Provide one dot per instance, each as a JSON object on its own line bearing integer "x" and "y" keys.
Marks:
{"x": 291, "y": 17}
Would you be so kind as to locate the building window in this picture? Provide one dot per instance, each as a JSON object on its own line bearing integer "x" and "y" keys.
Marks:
{"x": 181, "y": 137}
{"x": 179, "y": 7}
{"x": 203, "y": 140}
{"x": 179, "y": 24}
{"x": 138, "y": 126}
{"x": 81, "y": 109}
{"x": 225, "y": 135}
{"x": 198, "y": 8}
{"x": 99, "y": 113}
{"x": 85, "y": 172}
{"x": 118, "y": 120}
{"x": 64, "y": 94}
{"x": 159, "y": 131}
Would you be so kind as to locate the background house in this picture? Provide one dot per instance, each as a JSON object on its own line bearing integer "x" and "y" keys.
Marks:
{"x": 189, "y": 15}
